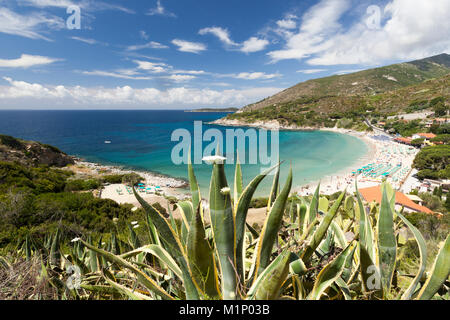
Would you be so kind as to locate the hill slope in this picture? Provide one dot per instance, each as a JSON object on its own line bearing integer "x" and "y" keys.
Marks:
{"x": 363, "y": 83}
{"x": 31, "y": 153}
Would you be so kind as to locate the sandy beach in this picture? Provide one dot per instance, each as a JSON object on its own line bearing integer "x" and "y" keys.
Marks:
{"x": 385, "y": 156}
{"x": 382, "y": 154}
{"x": 168, "y": 186}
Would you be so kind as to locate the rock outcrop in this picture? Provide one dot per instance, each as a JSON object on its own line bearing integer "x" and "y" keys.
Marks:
{"x": 32, "y": 153}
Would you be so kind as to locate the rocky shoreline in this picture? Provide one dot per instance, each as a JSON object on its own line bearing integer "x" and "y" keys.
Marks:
{"x": 150, "y": 177}
{"x": 268, "y": 125}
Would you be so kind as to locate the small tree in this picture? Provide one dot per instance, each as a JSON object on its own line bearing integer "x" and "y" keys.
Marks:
{"x": 440, "y": 109}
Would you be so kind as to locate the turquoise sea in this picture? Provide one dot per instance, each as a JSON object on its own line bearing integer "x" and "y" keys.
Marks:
{"x": 142, "y": 140}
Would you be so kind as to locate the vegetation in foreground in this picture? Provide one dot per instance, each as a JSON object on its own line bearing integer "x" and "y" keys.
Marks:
{"x": 310, "y": 249}
{"x": 36, "y": 201}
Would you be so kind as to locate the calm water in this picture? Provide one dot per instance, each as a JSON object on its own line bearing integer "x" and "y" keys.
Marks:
{"x": 142, "y": 140}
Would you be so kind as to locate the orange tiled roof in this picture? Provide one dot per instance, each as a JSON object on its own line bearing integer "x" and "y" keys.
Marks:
{"x": 374, "y": 194}
{"x": 405, "y": 140}
{"x": 441, "y": 119}
{"x": 427, "y": 135}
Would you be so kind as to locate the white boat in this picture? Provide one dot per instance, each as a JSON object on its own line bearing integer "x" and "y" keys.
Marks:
{"x": 107, "y": 142}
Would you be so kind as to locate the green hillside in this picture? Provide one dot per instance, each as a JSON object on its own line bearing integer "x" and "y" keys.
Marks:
{"x": 405, "y": 87}
{"x": 367, "y": 82}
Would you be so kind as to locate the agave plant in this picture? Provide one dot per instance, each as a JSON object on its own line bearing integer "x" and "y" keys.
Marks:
{"x": 307, "y": 249}
{"x": 228, "y": 259}
{"x": 378, "y": 253}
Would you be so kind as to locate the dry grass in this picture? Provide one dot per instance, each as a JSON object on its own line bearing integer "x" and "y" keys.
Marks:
{"x": 22, "y": 280}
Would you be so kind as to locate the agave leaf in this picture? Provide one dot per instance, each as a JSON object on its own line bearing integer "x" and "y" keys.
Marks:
{"x": 133, "y": 295}
{"x": 152, "y": 232}
{"x": 254, "y": 233}
{"x": 238, "y": 184}
{"x": 268, "y": 284}
{"x": 98, "y": 289}
{"x": 344, "y": 288}
{"x": 387, "y": 245}
{"x": 349, "y": 206}
{"x": 201, "y": 258}
{"x": 439, "y": 273}
{"x": 339, "y": 235}
{"x": 142, "y": 277}
{"x": 241, "y": 211}
{"x": 302, "y": 210}
{"x": 329, "y": 274}
{"x": 423, "y": 258}
{"x": 322, "y": 229}
{"x": 314, "y": 206}
{"x": 134, "y": 240}
{"x": 27, "y": 248}
{"x": 326, "y": 244}
{"x": 366, "y": 246}
{"x": 271, "y": 226}
{"x": 223, "y": 227}
{"x": 174, "y": 224}
{"x": 187, "y": 213}
{"x": 115, "y": 247}
{"x": 93, "y": 259}
{"x": 292, "y": 213}
{"x": 193, "y": 184}
{"x": 323, "y": 204}
{"x": 347, "y": 273}
{"x": 159, "y": 252}
{"x": 298, "y": 268}
{"x": 275, "y": 187}
{"x": 172, "y": 244}
{"x": 55, "y": 254}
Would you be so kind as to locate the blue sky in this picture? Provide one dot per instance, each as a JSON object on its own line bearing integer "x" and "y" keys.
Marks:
{"x": 173, "y": 54}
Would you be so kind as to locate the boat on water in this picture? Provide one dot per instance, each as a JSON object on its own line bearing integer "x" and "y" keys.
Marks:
{"x": 107, "y": 141}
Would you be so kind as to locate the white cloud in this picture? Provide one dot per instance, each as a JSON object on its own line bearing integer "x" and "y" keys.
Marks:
{"x": 143, "y": 35}
{"x": 48, "y": 3}
{"x": 409, "y": 29}
{"x": 160, "y": 11}
{"x": 153, "y": 67}
{"x": 121, "y": 74}
{"x": 288, "y": 22}
{"x": 186, "y": 46}
{"x": 181, "y": 77}
{"x": 29, "y": 26}
{"x": 254, "y": 44}
{"x": 85, "y": 40}
{"x": 195, "y": 72}
{"x": 26, "y": 61}
{"x": 220, "y": 33}
{"x": 149, "y": 45}
{"x": 88, "y": 5}
{"x": 256, "y": 76}
{"x": 34, "y": 95}
{"x": 311, "y": 71}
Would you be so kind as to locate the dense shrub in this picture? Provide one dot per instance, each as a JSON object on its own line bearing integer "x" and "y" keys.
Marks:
{"x": 82, "y": 185}
{"x": 259, "y": 203}
{"x": 433, "y": 162}
{"x": 38, "y": 180}
{"x": 11, "y": 142}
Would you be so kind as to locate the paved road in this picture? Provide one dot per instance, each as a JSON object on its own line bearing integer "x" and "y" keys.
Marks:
{"x": 377, "y": 130}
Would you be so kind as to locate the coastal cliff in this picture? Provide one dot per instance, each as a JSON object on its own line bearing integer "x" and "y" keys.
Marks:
{"x": 31, "y": 153}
